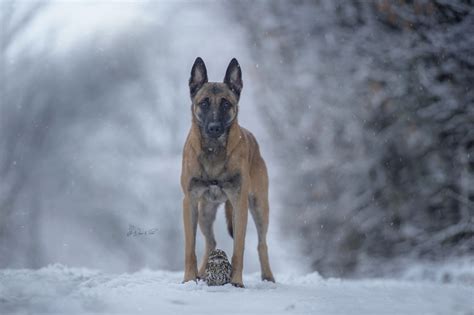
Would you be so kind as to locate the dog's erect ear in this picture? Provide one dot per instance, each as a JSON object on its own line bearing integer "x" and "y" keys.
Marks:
{"x": 198, "y": 76}
{"x": 233, "y": 77}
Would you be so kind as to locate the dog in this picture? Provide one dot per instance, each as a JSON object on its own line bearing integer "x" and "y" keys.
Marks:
{"x": 222, "y": 164}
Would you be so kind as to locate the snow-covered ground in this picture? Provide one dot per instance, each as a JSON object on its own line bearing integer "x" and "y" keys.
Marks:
{"x": 62, "y": 290}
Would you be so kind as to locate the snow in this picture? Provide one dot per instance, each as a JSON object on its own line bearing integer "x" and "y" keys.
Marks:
{"x": 59, "y": 289}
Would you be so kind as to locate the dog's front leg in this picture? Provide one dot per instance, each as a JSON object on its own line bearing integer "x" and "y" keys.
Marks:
{"x": 239, "y": 220}
{"x": 190, "y": 216}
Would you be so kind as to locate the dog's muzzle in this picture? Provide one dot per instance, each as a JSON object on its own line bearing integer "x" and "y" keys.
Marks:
{"x": 214, "y": 129}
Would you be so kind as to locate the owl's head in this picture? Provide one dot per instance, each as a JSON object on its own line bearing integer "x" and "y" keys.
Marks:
{"x": 217, "y": 255}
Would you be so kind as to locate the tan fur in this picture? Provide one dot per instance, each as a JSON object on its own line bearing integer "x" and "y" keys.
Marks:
{"x": 239, "y": 163}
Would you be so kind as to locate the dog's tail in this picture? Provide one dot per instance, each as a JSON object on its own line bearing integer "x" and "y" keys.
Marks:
{"x": 228, "y": 218}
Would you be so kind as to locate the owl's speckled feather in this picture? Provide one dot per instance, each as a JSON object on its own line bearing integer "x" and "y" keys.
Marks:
{"x": 218, "y": 269}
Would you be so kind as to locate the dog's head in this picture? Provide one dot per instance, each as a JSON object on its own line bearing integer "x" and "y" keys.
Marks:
{"x": 215, "y": 104}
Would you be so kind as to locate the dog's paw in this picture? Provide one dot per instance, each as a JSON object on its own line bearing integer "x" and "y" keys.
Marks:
{"x": 238, "y": 284}
{"x": 187, "y": 281}
{"x": 190, "y": 277}
{"x": 269, "y": 278}
{"x": 201, "y": 275}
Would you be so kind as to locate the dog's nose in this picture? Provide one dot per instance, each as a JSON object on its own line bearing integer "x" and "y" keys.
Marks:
{"x": 214, "y": 129}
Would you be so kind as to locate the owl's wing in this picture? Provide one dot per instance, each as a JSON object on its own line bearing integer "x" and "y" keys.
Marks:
{"x": 228, "y": 267}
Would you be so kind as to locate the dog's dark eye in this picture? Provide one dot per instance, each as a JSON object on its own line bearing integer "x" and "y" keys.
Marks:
{"x": 226, "y": 105}
{"x": 204, "y": 104}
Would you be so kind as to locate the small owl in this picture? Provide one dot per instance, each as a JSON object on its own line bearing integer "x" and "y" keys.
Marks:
{"x": 218, "y": 268}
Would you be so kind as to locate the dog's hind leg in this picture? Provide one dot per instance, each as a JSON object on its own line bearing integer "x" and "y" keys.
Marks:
{"x": 207, "y": 216}
{"x": 260, "y": 212}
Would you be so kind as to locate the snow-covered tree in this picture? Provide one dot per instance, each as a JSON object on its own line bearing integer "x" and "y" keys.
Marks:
{"x": 372, "y": 109}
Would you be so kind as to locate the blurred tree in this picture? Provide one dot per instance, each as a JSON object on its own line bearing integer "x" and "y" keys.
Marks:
{"x": 371, "y": 104}
{"x": 75, "y": 150}
{"x": 15, "y": 17}
{"x": 425, "y": 119}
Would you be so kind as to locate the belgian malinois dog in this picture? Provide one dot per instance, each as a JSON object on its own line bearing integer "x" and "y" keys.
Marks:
{"x": 222, "y": 164}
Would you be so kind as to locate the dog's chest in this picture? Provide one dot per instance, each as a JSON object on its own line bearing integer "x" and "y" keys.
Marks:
{"x": 213, "y": 175}
{"x": 212, "y": 166}
{"x": 215, "y": 183}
